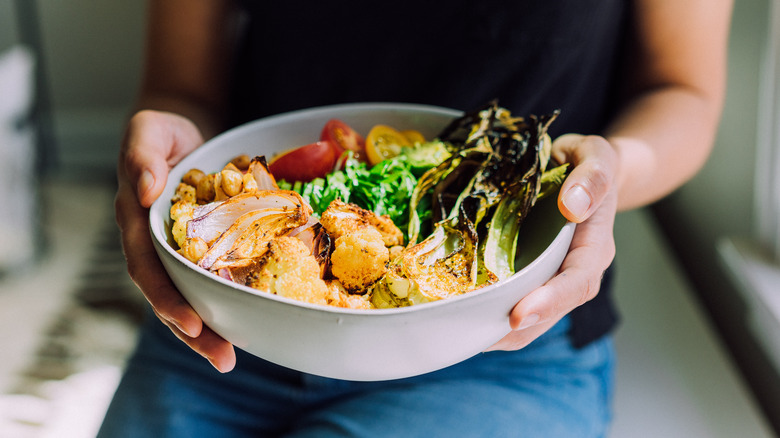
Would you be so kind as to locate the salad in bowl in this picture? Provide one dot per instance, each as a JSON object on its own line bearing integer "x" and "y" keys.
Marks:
{"x": 365, "y": 241}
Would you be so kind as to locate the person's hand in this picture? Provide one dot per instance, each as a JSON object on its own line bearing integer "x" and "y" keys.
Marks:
{"x": 588, "y": 197}
{"x": 155, "y": 142}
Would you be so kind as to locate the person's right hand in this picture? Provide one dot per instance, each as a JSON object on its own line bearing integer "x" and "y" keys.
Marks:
{"x": 155, "y": 142}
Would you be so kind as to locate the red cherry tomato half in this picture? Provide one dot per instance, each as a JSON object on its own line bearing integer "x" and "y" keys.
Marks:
{"x": 342, "y": 135}
{"x": 305, "y": 163}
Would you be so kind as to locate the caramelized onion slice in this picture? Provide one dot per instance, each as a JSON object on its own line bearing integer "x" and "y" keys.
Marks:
{"x": 226, "y": 240}
{"x": 258, "y": 167}
{"x": 212, "y": 224}
{"x": 252, "y": 242}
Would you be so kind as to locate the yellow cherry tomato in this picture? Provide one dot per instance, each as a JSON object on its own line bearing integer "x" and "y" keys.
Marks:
{"x": 413, "y": 136}
{"x": 384, "y": 142}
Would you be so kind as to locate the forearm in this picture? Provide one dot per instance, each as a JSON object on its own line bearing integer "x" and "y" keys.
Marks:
{"x": 189, "y": 51}
{"x": 662, "y": 138}
{"x": 675, "y": 87}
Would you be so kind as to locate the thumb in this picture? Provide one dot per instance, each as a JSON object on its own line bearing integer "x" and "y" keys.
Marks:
{"x": 591, "y": 179}
{"x": 154, "y": 141}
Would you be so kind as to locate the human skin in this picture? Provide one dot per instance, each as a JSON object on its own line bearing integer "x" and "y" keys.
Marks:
{"x": 662, "y": 136}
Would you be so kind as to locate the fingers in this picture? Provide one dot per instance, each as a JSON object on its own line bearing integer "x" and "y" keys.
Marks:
{"x": 595, "y": 166}
{"x": 219, "y": 352}
{"x": 145, "y": 268}
{"x": 518, "y": 339}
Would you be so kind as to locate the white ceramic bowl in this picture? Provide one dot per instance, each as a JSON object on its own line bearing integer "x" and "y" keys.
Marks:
{"x": 362, "y": 345}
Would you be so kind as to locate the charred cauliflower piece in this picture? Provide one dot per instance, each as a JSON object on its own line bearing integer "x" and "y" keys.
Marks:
{"x": 288, "y": 269}
{"x": 340, "y": 297}
{"x": 181, "y": 212}
{"x": 341, "y": 218}
{"x": 184, "y": 192}
{"x": 359, "y": 259}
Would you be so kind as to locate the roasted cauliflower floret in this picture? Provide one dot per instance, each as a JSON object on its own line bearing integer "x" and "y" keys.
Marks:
{"x": 184, "y": 192}
{"x": 181, "y": 213}
{"x": 339, "y": 297}
{"x": 288, "y": 269}
{"x": 359, "y": 259}
{"x": 341, "y": 218}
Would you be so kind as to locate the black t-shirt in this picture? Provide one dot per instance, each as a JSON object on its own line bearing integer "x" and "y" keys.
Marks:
{"x": 534, "y": 56}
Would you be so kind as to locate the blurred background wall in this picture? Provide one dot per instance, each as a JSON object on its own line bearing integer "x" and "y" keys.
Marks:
{"x": 720, "y": 206}
{"x": 8, "y": 31}
{"x": 92, "y": 54}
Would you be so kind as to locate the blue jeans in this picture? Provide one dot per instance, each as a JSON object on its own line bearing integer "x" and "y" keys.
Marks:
{"x": 547, "y": 389}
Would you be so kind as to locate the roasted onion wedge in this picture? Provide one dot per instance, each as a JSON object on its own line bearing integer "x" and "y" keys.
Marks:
{"x": 226, "y": 240}
{"x": 252, "y": 242}
{"x": 258, "y": 167}
{"x": 211, "y": 225}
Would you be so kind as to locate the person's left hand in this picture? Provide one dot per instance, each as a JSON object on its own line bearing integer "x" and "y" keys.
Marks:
{"x": 588, "y": 197}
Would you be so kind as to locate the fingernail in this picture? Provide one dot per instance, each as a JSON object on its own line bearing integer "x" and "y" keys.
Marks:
{"x": 145, "y": 182}
{"x": 577, "y": 201}
{"x": 528, "y": 321}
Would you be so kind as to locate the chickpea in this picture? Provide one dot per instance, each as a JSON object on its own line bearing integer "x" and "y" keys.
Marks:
{"x": 206, "y": 191}
{"x": 241, "y": 162}
{"x": 193, "y": 177}
{"x": 250, "y": 183}
{"x": 231, "y": 166}
{"x": 231, "y": 182}
{"x": 194, "y": 249}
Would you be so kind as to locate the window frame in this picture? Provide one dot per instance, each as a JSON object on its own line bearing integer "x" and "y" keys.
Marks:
{"x": 767, "y": 176}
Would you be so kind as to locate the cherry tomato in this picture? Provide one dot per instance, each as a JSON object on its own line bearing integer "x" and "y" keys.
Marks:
{"x": 413, "y": 136}
{"x": 384, "y": 142}
{"x": 344, "y": 137}
{"x": 305, "y": 163}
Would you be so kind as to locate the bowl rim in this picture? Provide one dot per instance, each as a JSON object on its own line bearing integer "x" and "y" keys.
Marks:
{"x": 160, "y": 240}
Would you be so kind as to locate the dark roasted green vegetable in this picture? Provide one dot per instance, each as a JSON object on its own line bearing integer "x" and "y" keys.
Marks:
{"x": 479, "y": 196}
